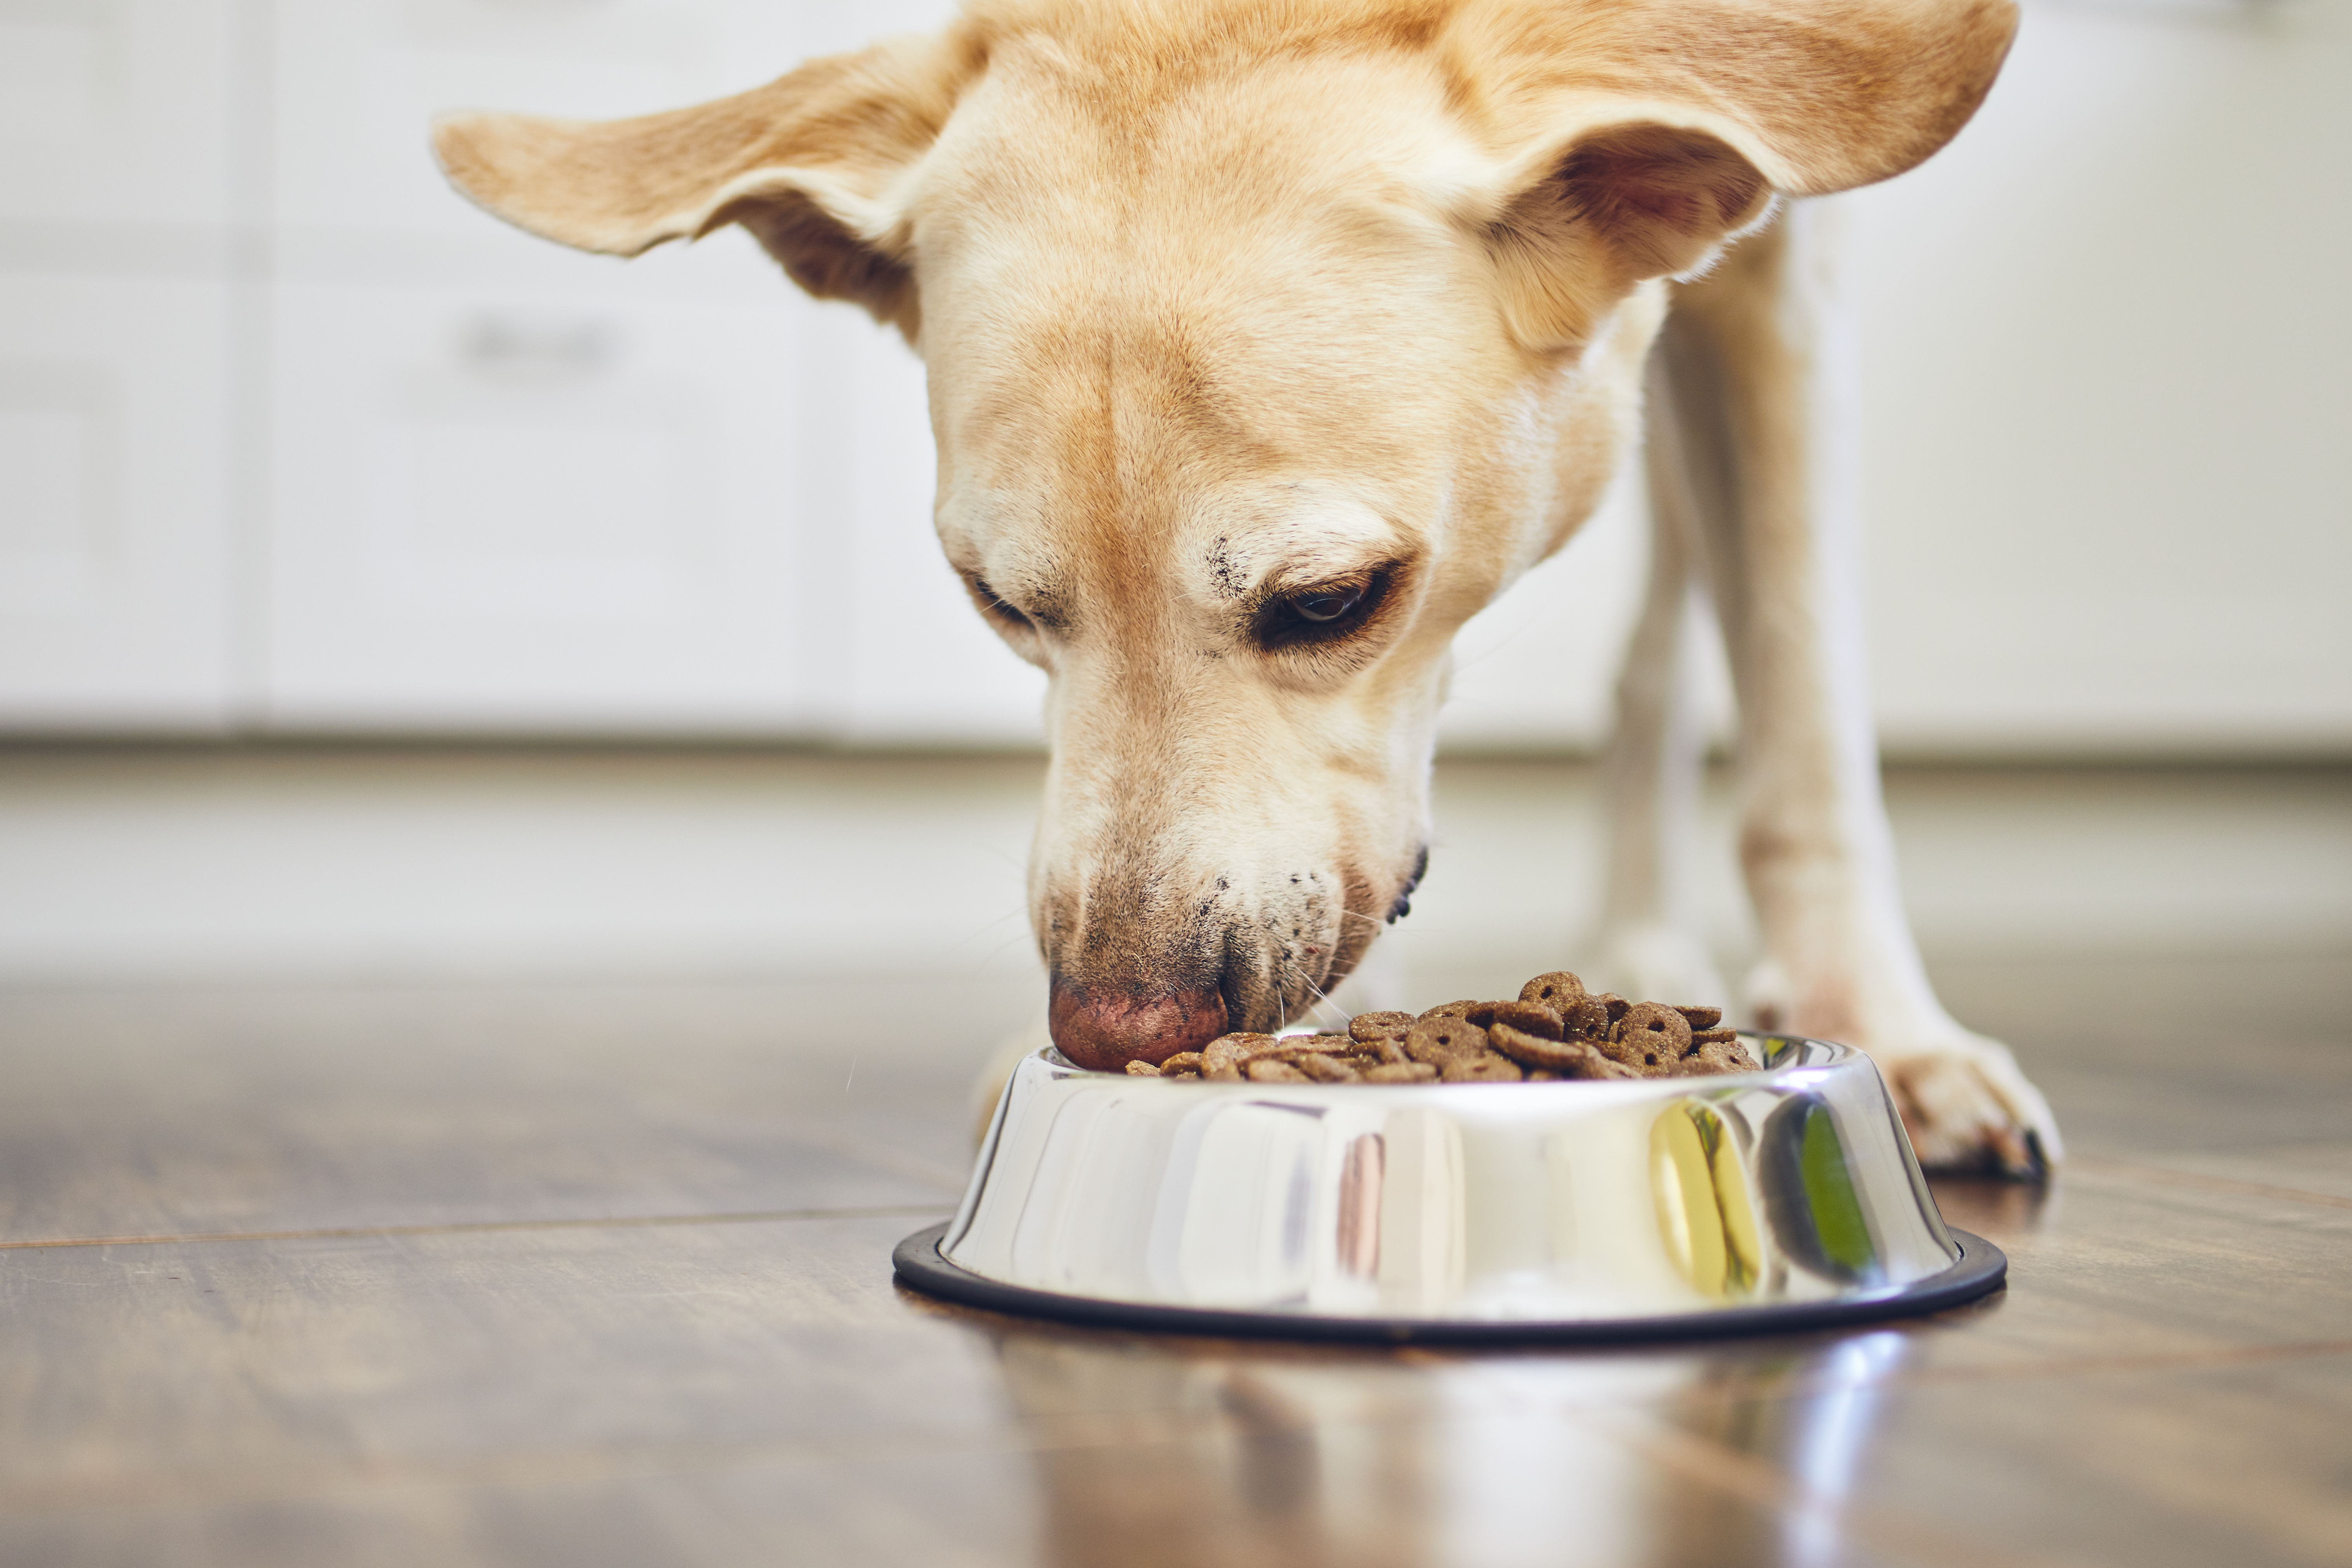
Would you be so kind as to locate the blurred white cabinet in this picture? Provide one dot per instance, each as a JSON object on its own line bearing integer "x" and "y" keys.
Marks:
{"x": 511, "y": 488}
{"x": 117, "y": 111}
{"x": 116, "y": 436}
{"x": 1537, "y": 669}
{"x": 115, "y": 590}
{"x": 358, "y": 82}
{"x": 520, "y": 489}
{"x": 916, "y": 664}
{"x": 537, "y": 509}
{"x": 2106, "y": 340}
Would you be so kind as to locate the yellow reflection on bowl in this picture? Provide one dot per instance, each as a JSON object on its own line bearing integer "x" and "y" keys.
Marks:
{"x": 1707, "y": 1212}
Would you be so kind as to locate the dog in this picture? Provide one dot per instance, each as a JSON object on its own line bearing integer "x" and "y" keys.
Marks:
{"x": 1267, "y": 341}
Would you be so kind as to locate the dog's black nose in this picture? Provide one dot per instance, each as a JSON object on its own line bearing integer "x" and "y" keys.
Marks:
{"x": 1105, "y": 1030}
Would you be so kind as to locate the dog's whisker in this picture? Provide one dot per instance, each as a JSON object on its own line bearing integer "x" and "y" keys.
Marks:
{"x": 1322, "y": 998}
{"x": 987, "y": 929}
{"x": 1001, "y": 948}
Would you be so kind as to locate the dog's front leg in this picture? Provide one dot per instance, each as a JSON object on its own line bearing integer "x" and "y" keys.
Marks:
{"x": 1650, "y": 943}
{"x": 1759, "y": 379}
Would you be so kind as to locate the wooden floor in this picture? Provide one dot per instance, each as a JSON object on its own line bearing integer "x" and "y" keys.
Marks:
{"x": 600, "y": 1275}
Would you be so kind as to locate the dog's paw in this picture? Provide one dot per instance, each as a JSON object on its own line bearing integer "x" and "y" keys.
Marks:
{"x": 1970, "y": 1110}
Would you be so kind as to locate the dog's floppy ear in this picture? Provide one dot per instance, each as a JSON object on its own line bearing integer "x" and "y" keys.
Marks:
{"x": 1644, "y": 133}
{"x": 807, "y": 163}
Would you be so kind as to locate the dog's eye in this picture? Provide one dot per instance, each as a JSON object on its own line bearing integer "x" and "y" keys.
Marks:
{"x": 1326, "y": 604}
{"x": 1324, "y": 612}
{"x": 996, "y": 609}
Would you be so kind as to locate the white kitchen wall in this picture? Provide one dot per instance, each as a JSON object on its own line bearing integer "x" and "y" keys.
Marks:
{"x": 291, "y": 439}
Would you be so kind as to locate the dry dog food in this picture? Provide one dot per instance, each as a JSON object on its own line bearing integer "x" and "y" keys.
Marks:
{"x": 1554, "y": 1030}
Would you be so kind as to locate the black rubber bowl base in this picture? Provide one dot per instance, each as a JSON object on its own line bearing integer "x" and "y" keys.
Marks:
{"x": 1980, "y": 1271}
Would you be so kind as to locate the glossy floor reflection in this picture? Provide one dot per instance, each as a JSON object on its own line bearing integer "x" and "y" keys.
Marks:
{"x": 588, "y": 1276}
{"x": 1350, "y": 1457}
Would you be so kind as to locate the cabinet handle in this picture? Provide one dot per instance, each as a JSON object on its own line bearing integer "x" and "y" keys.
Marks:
{"x": 526, "y": 345}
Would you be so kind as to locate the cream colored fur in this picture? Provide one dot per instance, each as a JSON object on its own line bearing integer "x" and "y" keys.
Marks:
{"x": 1233, "y": 306}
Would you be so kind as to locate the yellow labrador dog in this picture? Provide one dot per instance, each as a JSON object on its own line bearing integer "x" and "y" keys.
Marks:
{"x": 1267, "y": 341}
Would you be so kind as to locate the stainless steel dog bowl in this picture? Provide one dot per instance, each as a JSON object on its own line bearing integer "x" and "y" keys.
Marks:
{"x": 1757, "y": 1201}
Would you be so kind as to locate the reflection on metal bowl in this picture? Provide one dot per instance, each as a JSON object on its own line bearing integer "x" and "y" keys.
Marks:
{"x": 1741, "y": 1203}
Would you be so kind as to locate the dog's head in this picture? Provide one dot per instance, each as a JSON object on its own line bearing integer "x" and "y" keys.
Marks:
{"x": 1267, "y": 341}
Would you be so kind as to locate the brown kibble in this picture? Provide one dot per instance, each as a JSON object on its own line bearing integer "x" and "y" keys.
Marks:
{"x": 1719, "y": 1058}
{"x": 1329, "y": 1044}
{"x": 1370, "y": 1028}
{"x": 1557, "y": 990}
{"x": 1595, "y": 1064}
{"x": 1642, "y": 1061}
{"x": 1240, "y": 1041}
{"x": 1589, "y": 1037}
{"x": 1563, "y": 1059}
{"x": 1656, "y": 1018}
{"x": 1484, "y": 1068}
{"x": 1440, "y": 1041}
{"x": 1651, "y": 1039}
{"x": 1291, "y": 1049}
{"x": 1530, "y": 1018}
{"x": 1587, "y": 1019}
{"x": 1222, "y": 1056}
{"x": 1534, "y": 1050}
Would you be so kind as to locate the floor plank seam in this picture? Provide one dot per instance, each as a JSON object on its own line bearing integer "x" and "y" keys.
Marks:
{"x": 463, "y": 1227}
